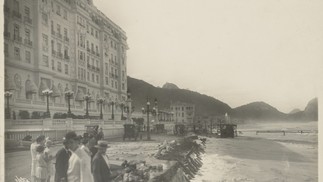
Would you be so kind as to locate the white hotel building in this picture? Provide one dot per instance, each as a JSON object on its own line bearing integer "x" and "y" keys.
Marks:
{"x": 63, "y": 45}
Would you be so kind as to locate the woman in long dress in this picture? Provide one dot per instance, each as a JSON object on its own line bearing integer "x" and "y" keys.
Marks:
{"x": 40, "y": 140}
{"x": 50, "y": 157}
{"x": 41, "y": 164}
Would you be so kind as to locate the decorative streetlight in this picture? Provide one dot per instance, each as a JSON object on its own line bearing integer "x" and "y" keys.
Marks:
{"x": 123, "y": 107}
{"x": 87, "y": 98}
{"x": 100, "y": 101}
{"x": 112, "y": 104}
{"x": 148, "y": 110}
{"x": 69, "y": 94}
{"x": 156, "y": 110}
{"x": 47, "y": 93}
{"x": 8, "y": 94}
{"x": 129, "y": 109}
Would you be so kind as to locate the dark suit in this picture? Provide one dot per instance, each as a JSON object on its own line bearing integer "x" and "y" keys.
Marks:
{"x": 101, "y": 171}
{"x": 61, "y": 165}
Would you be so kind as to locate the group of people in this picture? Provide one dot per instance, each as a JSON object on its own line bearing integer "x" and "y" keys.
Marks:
{"x": 82, "y": 159}
{"x": 41, "y": 165}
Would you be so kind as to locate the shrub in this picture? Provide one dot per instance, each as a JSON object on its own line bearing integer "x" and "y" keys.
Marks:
{"x": 36, "y": 115}
{"x": 24, "y": 114}
{"x": 59, "y": 115}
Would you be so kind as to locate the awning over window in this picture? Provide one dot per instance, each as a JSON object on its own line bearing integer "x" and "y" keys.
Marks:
{"x": 56, "y": 92}
{"x": 9, "y": 85}
{"x": 30, "y": 87}
{"x": 79, "y": 96}
{"x": 43, "y": 86}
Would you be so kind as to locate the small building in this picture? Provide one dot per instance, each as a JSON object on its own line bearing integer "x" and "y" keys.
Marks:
{"x": 183, "y": 112}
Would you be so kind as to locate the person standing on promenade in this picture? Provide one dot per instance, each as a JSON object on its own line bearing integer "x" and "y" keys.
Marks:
{"x": 101, "y": 134}
{"x": 61, "y": 164}
{"x": 50, "y": 157}
{"x": 40, "y": 140}
{"x": 100, "y": 164}
{"x": 41, "y": 172}
{"x": 79, "y": 165}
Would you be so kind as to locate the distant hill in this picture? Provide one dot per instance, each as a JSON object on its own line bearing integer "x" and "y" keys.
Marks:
{"x": 294, "y": 111}
{"x": 310, "y": 112}
{"x": 170, "y": 86}
{"x": 204, "y": 105}
{"x": 209, "y": 106}
{"x": 258, "y": 111}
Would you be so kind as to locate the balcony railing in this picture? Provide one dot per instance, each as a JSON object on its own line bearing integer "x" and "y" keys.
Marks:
{"x": 16, "y": 14}
{"x": 28, "y": 42}
{"x": 17, "y": 38}
{"x": 6, "y": 35}
{"x": 28, "y": 20}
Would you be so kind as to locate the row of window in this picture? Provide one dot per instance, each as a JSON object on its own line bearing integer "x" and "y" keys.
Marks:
{"x": 179, "y": 115}
{"x": 16, "y": 8}
{"x": 92, "y": 31}
{"x": 179, "y": 108}
{"x": 16, "y": 32}
{"x": 58, "y": 67}
{"x": 17, "y": 53}
{"x": 95, "y": 78}
{"x": 59, "y": 10}
{"x": 58, "y": 30}
{"x": 58, "y": 50}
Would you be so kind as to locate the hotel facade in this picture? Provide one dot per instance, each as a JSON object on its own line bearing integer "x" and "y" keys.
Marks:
{"x": 183, "y": 112}
{"x": 64, "y": 46}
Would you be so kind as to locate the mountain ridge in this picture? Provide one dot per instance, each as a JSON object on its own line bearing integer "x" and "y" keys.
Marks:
{"x": 209, "y": 106}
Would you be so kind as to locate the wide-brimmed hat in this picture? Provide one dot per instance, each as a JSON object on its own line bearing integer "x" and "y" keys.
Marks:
{"x": 102, "y": 144}
{"x": 71, "y": 135}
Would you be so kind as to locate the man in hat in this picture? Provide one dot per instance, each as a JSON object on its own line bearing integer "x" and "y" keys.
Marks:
{"x": 79, "y": 164}
{"x": 61, "y": 164}
{"x": 100, "y": 164}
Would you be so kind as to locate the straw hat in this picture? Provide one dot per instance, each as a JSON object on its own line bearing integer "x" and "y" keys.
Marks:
{"x": 102, "y": 144}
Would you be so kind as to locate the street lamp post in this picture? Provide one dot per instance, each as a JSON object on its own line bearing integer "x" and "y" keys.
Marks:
{"x": 129, "y": 109}
{"x": 156, "y": 111}
{"x": 100, "y": 101}
{"x": 87, "y": 99}
{"x": 122, "y": 105}
{"x": 112, "y": 115}
{"x": 148, "y": 110}
{"x": 47, "y": 93}
{"x": 69, "y": 95}
{"x": 8, "y": 94}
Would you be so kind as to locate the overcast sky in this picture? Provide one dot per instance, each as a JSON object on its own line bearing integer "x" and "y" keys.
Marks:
{"x": 236, "y": 51}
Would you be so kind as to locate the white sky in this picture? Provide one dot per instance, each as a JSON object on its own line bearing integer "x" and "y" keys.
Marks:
{"x": 236, "y": 51}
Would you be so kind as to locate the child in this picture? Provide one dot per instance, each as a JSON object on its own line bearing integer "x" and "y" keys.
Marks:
{"x": 41, "y": 164}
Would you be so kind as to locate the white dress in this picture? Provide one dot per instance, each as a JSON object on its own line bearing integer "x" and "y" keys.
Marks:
{"x": 50, "y": 165}
{"x": 33, "y": 152}
{"x": 79, "y": 168}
